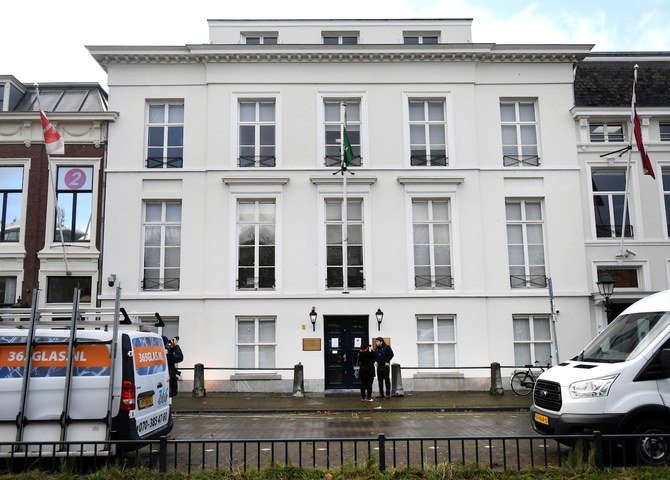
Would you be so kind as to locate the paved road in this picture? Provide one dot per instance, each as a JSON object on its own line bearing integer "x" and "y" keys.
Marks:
{"x": 342, "y": 425}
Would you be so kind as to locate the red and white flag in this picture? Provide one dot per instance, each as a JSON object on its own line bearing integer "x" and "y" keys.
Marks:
{"x": 637, "y": 132}
{"x": 52, "y": 139}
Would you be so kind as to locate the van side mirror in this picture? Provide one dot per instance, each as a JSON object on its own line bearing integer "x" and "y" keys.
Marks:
{"x": 665, "y": 358}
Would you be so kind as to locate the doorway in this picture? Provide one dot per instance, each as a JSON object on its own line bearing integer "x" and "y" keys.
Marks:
{"x": 344, "y": 335}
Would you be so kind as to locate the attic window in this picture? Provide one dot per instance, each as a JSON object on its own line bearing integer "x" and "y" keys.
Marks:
{"x": 340, "y": 38}
{"x": 419, "y": 38}
{"x": 260, "y": 38}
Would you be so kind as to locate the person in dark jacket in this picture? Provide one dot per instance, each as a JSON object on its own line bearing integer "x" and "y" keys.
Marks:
{"x": 384, "y": 355}
{"x": 366, "y": 364}
{"x": 174, "y": 355}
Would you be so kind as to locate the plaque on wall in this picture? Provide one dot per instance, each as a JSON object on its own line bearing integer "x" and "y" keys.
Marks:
{"x": 311, "y": 344}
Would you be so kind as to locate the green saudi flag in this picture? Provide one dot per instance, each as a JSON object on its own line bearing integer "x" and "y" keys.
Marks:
{"x": 348, "y": 153}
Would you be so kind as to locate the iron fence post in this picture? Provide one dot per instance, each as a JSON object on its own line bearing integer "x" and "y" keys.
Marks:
{"x": 162, "y": 454}
{"x": 598, "y": 445}
{"x": 382, "y": 452}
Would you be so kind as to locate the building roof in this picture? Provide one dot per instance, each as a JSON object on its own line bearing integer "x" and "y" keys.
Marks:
{"x": 606, "y": 80}
{"x": 64, "y": 97}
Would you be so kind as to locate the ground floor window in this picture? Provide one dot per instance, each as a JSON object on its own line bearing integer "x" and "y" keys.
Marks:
{"x": 436, "y": 340}
{"x": 532, "y": 339}
{"x": 256, "y": 342}
{"x": 61, "y": 289}
{"x": 7, "y": 291}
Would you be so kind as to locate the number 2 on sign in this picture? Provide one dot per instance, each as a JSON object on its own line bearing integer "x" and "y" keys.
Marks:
{"x": 75, "y": 178}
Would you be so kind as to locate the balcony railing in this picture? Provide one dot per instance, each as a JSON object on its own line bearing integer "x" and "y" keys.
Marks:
{"x": 428, "y": 160}
{"x": 246, "y": 161}
{"x": 255, "y": 283}
{"x": 613, "y": 231}
{"x": 160, "y": 283}
{"x": 165, "y": 162}
{"x": 525, "y": 160}
{"x": 528, "y": 281}
{"x": 429, "y": 282}
{"x": 336, "y": 161}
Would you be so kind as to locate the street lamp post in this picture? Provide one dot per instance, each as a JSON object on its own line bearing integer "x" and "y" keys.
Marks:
{"x": 606, "y": 289}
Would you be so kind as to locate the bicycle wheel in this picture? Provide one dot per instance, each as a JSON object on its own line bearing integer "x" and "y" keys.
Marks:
{"x": 520, "y": 383}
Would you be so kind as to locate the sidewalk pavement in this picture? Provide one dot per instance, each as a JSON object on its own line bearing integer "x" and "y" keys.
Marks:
{"x": 227, "y": 402}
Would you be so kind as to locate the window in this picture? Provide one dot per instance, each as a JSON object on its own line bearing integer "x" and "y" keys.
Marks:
{"x": 623, "y": 277}
{"x": 74, "y": 196}
{"x": 162, "y": 245}
{"x": 332, "y": 38}
{"x": 532, "y": 339}
{"x": 11, "y": 198}
{"x": 255, "y": 244}
{"x": 261, "y": 39}
{"x": 604, "y": 132}
{"x": 417, "y": 38}
{"x": 337, "y": 260}
{"x": 7, "y": 291}
{"x": 664, "y": 131}
{"x": 609, "y": 187}
{"x": 436, "y": 340}
{"x": 519, "y": 133}
{"x": 61, "y": 289}
{"x": 427, "y": 133}
{"x": 165, "y": 135}
{"x": 256, "y": 127}
{"x": 432, "y": 252}
{"x": 337, "y": 114}
{"x": 525, "y": 244}
{"x": 665, "y": 173}
{"x": 256, "y": 342}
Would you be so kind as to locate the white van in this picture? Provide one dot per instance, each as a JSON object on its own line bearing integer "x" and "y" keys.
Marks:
{"x": 619, "y": 383}
{"x": 140, "y": 402}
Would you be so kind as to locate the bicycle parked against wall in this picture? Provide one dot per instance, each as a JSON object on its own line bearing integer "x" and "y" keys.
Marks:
{"x": 523, "y": 382}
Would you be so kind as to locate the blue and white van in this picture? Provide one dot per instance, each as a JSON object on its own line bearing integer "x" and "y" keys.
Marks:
{"x": 619, "y": 383}
{"x": 140, "y": 401}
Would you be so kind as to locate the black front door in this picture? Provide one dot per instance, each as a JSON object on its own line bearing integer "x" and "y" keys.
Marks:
{"x": 344, "y": 335}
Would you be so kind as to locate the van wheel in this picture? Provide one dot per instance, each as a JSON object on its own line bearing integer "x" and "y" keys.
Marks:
{"x": 651, "y": 450}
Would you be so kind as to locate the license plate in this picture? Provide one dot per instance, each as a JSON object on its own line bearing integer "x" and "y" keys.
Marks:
{"x": 147, "y": 401}
{"x": 543, "y": 419}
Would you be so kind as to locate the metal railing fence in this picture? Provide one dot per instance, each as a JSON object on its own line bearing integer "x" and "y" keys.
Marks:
{"x": 497, "y": 452}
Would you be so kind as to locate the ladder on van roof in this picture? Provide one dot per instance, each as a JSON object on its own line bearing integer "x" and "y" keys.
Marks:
{"x": 79, "y": 319}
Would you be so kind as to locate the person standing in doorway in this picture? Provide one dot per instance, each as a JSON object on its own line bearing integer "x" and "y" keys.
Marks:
{"x": 384, "y": 355}
{"x": 366, "y": 372}
{"x": 174, "y": 355}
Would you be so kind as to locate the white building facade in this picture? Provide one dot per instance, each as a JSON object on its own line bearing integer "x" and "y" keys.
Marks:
{"x": 225, "y": 212}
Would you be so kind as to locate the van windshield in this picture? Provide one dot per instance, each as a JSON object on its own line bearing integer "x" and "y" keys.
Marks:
{"x": 625, "y": 337}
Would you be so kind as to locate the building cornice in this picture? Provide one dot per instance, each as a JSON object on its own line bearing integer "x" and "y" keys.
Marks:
{"x": 8, "y": 117}
{"x": 586, "y": 112}
{"x": 468, "y": 52}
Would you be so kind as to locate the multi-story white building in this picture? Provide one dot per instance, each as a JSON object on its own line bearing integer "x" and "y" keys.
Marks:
{"x": 225, "y": 209}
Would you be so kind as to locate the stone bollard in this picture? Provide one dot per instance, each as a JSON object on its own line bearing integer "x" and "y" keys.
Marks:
{"x": 199, "y": 380}
{"x": 396, "y": 381}
{"x": 496, "y": 380}
{"x": 298, "y": 381}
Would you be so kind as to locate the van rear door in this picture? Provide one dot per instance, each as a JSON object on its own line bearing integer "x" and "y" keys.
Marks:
{"x": 150, "y": 372}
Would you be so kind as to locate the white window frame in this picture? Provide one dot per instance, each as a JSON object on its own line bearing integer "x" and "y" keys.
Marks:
{"x": 257, "y": 123}
{"x": 610, "y": 194}
{"x": 10, "y": 296}
{"x": 434, "y": 284}
{"x": 263, "y": 37}
{"x": 340, "y": 35}
{"x": 235, "y": 100}
{"x": 323, "y": 97}
{"x": 162, "y": 223}
{"x": 447, "y": 98}
{"x": 362, "y": 223}
{"x": 257, "y": 224}
{"x": 421, "y": 36}
{"x": 249, "y": 188}
{"x": 51, "y": 233}
{"x": 532, "y": 342}
{"x": 664, "y": 136}
{"x": 436, "y": 342}
{"x": 256, "y": 344}
{"x": 19, "y": 244}
{"x": 165, "y": 124}
{"x": 605, "y": 126}
{"x": 518, "y": 123}
{"x": 529, "y": 282}
{"x": 665, "y": 195}
{"x": 426, "y": 123}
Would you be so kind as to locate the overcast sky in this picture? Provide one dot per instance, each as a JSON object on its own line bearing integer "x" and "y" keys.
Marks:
{"x": 43, "y": 40}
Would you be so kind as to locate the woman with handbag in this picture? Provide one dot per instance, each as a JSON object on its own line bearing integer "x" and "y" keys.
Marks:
{"x": 366, "y": 364}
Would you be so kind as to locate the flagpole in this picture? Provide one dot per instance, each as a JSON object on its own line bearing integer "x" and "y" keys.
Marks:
{"x": 345, "y": 234}
{"x": 53, "y": 187}
{"x": 630, "y": 152}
